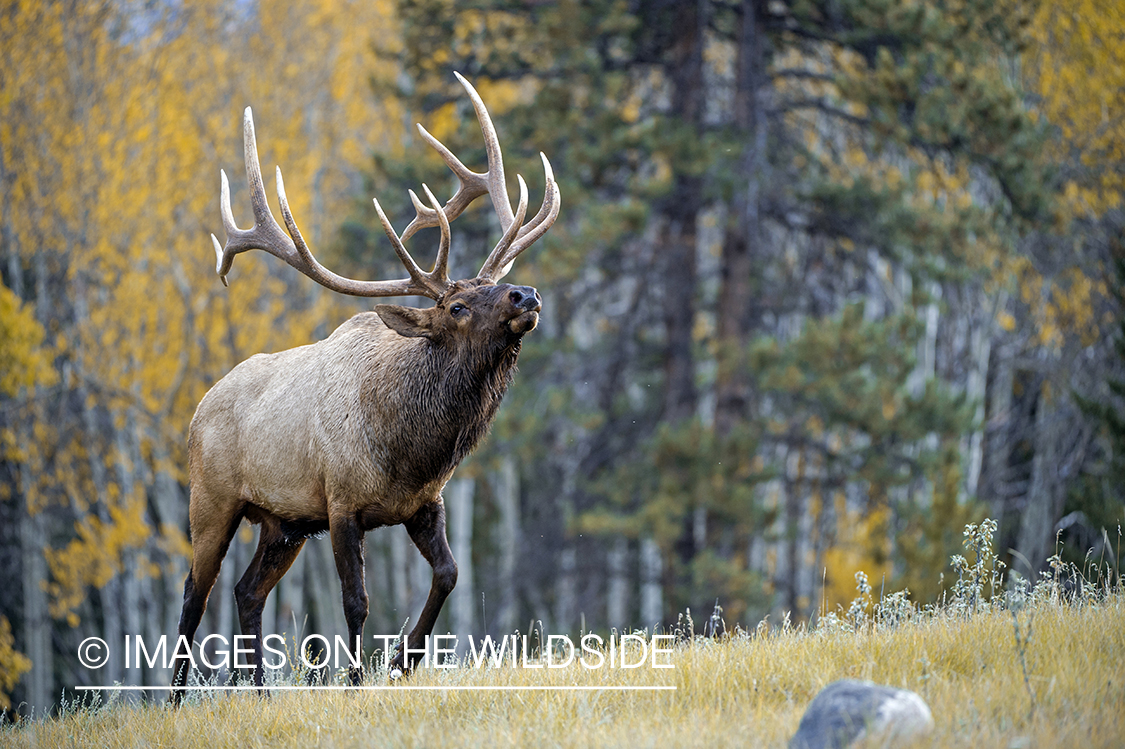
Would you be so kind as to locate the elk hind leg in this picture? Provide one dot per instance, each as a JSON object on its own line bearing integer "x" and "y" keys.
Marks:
{"x": 212, "y": 527}
{"x": 273, "y": 558}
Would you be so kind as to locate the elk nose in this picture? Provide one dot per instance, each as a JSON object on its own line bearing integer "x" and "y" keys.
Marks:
{"x": 525, "y": 297}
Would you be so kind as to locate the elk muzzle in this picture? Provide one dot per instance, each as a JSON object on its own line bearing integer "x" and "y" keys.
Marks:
{"x": 525, "y": 304}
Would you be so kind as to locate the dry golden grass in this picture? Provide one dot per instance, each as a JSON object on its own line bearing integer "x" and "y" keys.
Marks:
{"x": 743, "y": 691}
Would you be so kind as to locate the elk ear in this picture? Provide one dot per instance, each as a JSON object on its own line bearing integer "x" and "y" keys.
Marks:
{"x": 406, "y": 321}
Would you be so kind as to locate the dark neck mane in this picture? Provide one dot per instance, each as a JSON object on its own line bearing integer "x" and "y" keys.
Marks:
{"x": 449, "y": 399}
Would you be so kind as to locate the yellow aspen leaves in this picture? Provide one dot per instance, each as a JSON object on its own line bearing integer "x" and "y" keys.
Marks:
{"x": 13, "y": 664}
{"x": 110, "y": 163}
{"x": 24, "y": 361}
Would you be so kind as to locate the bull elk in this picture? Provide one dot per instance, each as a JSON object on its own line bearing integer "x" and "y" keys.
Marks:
{"x": 364, "y": 428}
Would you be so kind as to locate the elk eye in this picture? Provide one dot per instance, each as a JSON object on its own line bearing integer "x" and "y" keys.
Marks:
{"x": 456, "y": 309}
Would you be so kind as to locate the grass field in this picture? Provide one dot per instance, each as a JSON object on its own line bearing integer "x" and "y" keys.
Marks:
{"x": 749, "y": 689}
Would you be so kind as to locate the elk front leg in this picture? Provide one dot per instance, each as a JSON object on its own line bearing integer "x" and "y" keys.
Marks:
{"x": 427, "y": 531}
{"x": 347, "y": 548}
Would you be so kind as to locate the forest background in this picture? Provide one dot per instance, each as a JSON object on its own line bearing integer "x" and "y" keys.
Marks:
{"x": 831, "y": 280}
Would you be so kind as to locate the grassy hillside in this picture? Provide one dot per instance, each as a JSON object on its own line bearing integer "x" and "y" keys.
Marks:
{"x": 748, "y": 689}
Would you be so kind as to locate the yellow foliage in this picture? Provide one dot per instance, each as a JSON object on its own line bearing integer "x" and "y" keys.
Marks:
{"x": 95, "y": 556}
{"x": 13, "y": 664}
{"x": 111, "y": 160}
{"x": 1060, "y": 308}
{"x": 24, "y": 361}
{"x": 862, "y": 544}
{"x": 1077, "y": 68}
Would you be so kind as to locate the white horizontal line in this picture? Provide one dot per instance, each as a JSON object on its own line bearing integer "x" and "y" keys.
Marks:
{"x": 337, "y": 688}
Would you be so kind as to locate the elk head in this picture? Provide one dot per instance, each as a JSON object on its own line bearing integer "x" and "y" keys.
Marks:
{"x": 460, "y": 305}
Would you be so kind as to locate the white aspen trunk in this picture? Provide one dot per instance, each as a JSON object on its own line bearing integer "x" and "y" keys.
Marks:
{"x": 36, "y": 618}
{"x": 324, "y": 582}
{"x": 171, "y": 510}
{"x": 806, "y": 579}
{"x": 789, "y": 506}
{"x": 699, "y": 528}
{"x": 399, "y": 543}
{"x": 108, "y": 593}
{"x": 221, "y": 602}
{"x": 127, "y": 463}
{"x": 421, "y": 578}
{"x": 874, "y": 306}
{"x": 132, "y": 622}
{"x": 110, "y": 598}
{"x": 374, "y": 574}
{"x": 652, "y": 591}
{"x": 291, "y": 607}
{"x": 458, "y": 495}
{"x": 980, "y": 351}
{"x": 617, "y": 590}
{"x": 506, "y": 489}
{"x": 997, "y": 432}
{"x": 565, "y": 600}
{"x": 153, "y": 629}
{"x": 767, "y": 555}
{"x": 1044, "y": 496}
{"x": 927, "y": 347}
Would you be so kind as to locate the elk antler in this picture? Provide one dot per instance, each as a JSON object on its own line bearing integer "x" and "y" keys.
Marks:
{"x": 474, "y": 184}
{"x": 267, "y": 235}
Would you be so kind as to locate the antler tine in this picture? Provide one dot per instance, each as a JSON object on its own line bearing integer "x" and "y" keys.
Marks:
{"x": 497, "y": 189}
{"x": 500, "y": 260}
{"x": 517, "y": 237}
{"x": 441, "y": 264}
{"x": 427, "y": 284}
{"x": 472, "y": 186}
{"x": 489, "y": 269}
{"x": 267, "y": 235}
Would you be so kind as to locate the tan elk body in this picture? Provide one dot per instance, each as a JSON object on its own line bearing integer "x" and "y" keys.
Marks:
{"x": 340, "y": 418}
{"x": 364, "y": 428}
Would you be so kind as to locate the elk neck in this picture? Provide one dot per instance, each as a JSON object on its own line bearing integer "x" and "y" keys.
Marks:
{"x": 450, "y": 395}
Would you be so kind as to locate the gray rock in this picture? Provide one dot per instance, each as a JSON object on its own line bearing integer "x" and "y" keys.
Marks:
{"x": 846, "y": 711}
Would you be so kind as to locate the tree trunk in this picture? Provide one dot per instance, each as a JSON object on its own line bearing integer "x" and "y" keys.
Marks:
{"x": 36, "y": 619}
{"x": 1045, "y": 495}
{"x": 980, "y": 349}
{"x": 291, "y": 606}
{"x": 324, "y": 583}
{"x": 170, "y": 507}
{"x": 458, "y": 495}
{"x": 744, "y": 240}
{"x": 617, "y": 590}
{"x": 565, "y": 598}
{"x": 997, "y": 439}
{"x": 128, "y": 461}
{"x": 679, "y": 212}
{"x": 507, "y": 490}
{"x": 652, "y": 591}
{"x": 400, "y": 583}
